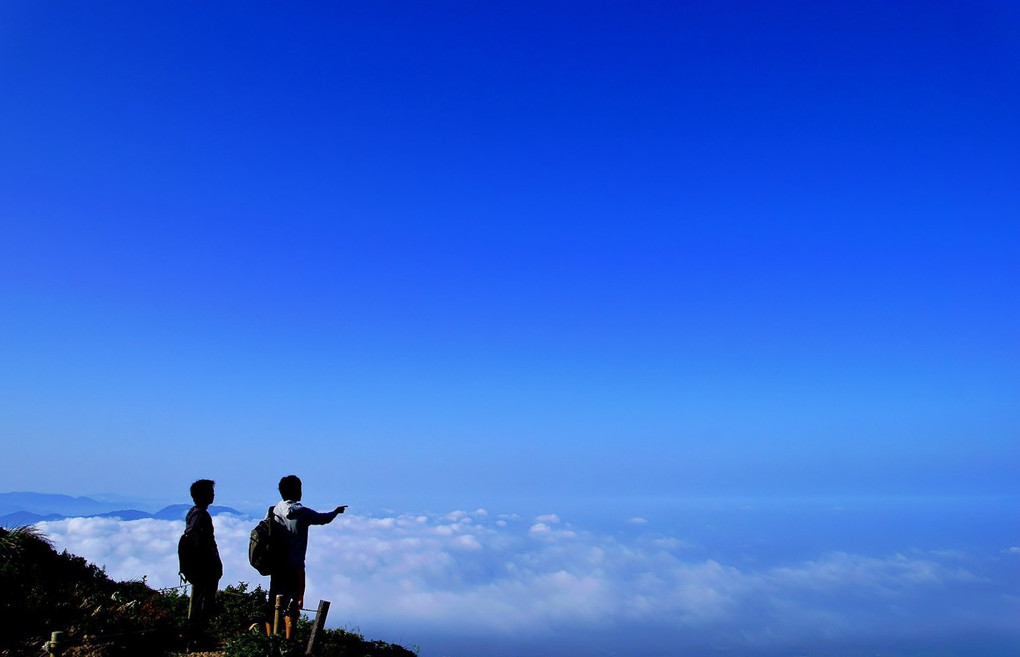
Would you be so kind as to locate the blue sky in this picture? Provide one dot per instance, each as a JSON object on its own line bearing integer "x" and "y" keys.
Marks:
{"x": 689, "y": 321}
{"x": 455, "y": 255}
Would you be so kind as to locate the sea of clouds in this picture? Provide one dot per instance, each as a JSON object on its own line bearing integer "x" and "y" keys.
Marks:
{"x": 476, "y": 584}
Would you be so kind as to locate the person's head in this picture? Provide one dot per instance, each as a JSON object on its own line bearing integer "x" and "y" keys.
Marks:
{"x": 202, "y": 492}
{"x": 290, "y": 488}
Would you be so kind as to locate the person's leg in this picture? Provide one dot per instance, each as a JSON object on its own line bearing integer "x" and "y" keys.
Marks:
{"x": 283, "y": 584}
{"x": 204, "y": 599}
{"x": 297, "y": 587}
{"x": 200, "y": 609}
{"x": 275, "y": 588}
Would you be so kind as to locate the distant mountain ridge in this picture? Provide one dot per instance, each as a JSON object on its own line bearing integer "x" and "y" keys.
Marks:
{"x": 25, "y": 508}
{"x": 46, "y": 503}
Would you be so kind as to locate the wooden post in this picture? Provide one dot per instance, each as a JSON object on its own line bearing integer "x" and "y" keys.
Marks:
{"x": 56, "y": 645}
{"x": 317, "y": 626}
{"x": 277, "y": 617}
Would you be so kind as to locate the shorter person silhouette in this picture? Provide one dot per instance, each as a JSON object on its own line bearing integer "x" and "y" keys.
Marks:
{"x": 208, "y": 569}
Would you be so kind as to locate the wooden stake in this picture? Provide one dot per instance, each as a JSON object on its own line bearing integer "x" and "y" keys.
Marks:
{"x": 278, "y": 615}
{"x": 56, "y": 645}
{"x": 317, "y": 626}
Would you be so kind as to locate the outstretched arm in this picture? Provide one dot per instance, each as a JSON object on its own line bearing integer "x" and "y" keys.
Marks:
{"x": 312, "y": 517}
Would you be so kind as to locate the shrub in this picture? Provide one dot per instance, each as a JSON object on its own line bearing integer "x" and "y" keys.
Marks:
{"x": 237, "y": 609}
{"x": 45, "y": 591}
{"x": 257, "y": 644}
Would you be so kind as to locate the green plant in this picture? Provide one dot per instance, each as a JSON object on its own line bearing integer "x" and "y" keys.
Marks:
{"x": 44, "y": 591}
{"x": 344, "y": 643}
{"x": 237, "y": 609}
{"x": 258, "y": 644}
{"x": 13, "y": 541}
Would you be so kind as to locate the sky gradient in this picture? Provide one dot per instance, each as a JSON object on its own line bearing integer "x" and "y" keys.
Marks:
{"x": 454, "y": 256}
{"x": 703, "y": 314}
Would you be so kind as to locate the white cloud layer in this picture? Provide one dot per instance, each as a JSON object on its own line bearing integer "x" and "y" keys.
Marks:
{"x": 472, "y": 574}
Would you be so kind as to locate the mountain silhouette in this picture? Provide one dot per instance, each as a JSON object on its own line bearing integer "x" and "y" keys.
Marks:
{"x": 25, "y": 508}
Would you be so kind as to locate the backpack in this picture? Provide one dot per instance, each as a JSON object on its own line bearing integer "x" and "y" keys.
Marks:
{"x": 263, "y": 547}
{"x": 187, "y": 557}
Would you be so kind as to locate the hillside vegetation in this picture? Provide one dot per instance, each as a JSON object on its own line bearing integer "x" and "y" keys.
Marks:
{"x": 45, "y": 591}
